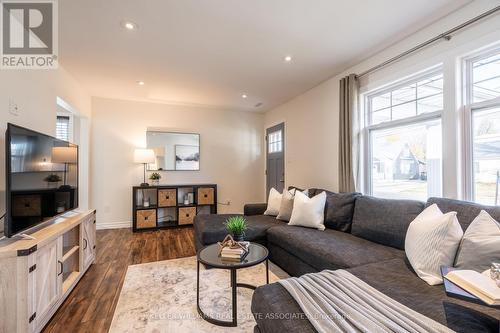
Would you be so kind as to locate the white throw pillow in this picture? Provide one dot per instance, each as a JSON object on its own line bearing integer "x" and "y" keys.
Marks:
{"x": 273, "y": 203}
{"x": 309, "y": 212}
{"x": 286, "y": 206}
{"x": 432, "y": 241}
{"x": 480, "y": 245}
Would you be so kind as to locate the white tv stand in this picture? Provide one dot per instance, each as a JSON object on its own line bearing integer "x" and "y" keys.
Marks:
{"x": 36, "y": 275}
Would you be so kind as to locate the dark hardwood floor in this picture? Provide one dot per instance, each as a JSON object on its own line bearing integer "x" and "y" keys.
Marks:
{"x": 90, "y": 306}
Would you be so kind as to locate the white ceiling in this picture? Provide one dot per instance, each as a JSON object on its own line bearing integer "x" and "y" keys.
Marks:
{"x": 210, "y": 52}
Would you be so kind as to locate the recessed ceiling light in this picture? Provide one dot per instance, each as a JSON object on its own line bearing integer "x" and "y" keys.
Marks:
{"x": 244, "y": 96}
{"x": 288, "y": 58}
{"x": 141, "y": 83}
{"x": 129, "y": 25}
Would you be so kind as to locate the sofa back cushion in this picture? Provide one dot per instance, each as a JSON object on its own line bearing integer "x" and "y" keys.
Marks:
{"x": 466, "y": 211}
{"x": 339, "y": 209}
{"x": 384, "y": 221}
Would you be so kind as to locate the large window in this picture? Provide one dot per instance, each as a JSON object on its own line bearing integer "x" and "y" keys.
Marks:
{"x": 404, "y": 138}
{"x": 483, "y": 114}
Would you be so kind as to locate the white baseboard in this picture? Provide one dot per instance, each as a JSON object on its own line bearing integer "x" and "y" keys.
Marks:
{"x": 113, "y": 225}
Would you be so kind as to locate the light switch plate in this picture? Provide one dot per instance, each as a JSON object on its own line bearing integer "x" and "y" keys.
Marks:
{"x": 13, "y": 108}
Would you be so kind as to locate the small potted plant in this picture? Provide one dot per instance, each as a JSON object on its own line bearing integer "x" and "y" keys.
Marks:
{"x": 236, "y": 225}
{"x": 155, "y": 177}
{"x": 52, "y": 179}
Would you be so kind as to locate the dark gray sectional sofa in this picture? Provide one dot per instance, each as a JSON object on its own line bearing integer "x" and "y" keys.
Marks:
{"x": 364, "y": 235}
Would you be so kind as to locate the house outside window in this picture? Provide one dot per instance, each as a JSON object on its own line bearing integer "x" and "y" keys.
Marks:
{"x": 404, "y": 138}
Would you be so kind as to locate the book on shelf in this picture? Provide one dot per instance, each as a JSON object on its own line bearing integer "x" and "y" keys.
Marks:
{"x": 477, "y": 284}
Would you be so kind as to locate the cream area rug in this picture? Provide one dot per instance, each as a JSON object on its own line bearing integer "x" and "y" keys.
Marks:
{"x": 161, "y": 297}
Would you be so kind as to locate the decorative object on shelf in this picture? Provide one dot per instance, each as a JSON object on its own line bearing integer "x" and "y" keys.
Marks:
{"x": 52, "y": 179}
{"x": 155, "y": 177}
{"x": 190, "y": 196}
{"x": 144, "y": 156}
{"x": 145, "y": 202}
{"x": 233, "y": 250}
{"x": 186, "y": 200}
{"x": 187, "y": 157}
{"x": 65, "y": 155}
{"x": 236, "y": 225}
{"x": 60, "y": 207}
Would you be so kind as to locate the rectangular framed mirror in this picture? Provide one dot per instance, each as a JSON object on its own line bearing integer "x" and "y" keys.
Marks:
{"x": 174, "y": 151}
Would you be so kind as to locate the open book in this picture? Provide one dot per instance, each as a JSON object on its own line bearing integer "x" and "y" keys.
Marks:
{"x": 479, "y": 285}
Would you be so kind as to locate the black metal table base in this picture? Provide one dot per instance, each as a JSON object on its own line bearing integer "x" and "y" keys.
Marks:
{"x": 234, "y": 285}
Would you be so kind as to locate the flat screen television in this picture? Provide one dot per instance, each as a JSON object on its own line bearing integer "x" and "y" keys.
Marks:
{"x": 42, "y": 178}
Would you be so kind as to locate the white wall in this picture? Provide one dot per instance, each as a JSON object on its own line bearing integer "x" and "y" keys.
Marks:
{"x": 311, "y": 119}
{"x": 231, "y": 154}
{"x": 35, "y": 92}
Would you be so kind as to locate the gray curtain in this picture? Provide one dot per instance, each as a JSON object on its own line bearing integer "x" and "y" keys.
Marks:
{"x": 349, "y": 139}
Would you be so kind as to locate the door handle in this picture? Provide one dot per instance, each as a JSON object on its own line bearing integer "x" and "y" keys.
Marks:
{"x": 85, "y": 244}
{"x": 282, "y": 180}
{"x": 60, "y": 265}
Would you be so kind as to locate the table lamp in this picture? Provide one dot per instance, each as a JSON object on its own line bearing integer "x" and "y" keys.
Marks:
{"x": 144, "y": 156}
{"x": 66, "y": 155}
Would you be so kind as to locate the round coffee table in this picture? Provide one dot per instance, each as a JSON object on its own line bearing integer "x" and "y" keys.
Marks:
{"x": 209, "y": 256}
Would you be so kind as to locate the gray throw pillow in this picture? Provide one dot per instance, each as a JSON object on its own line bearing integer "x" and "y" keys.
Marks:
{"x": 286, "y": 206}
{"x": 480, "y": 244}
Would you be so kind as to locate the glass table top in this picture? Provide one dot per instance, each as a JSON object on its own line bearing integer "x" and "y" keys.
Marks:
{"x": 209, "y": 255}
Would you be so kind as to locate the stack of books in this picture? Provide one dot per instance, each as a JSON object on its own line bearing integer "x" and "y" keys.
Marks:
{"x": 235, "y": 253}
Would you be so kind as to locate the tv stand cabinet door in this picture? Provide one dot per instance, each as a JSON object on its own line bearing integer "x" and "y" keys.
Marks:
{"x": 88, "y": 240}
{"x": 47, "y": 288}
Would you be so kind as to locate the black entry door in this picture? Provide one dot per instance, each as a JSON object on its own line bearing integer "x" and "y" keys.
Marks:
{"x": 275, "y": 157}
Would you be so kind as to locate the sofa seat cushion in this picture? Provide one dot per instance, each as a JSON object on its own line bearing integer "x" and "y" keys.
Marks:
{"x": 395, "y": 279}
{"x": 329, "y": 249}
{"x": 210, "y": 229}
{"x": 275, "y": 310}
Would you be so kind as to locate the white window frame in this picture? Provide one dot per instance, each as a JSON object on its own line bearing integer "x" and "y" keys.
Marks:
{"x": 369, "y": 128}
{"x": 468, "y": 109}
{"x": 70, "y": 124}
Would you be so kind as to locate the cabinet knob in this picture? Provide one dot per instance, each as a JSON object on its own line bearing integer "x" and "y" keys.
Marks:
{"x": 187, "y": 215}
{"x": 206, "y": 195}
{"x": 167, "y": 197}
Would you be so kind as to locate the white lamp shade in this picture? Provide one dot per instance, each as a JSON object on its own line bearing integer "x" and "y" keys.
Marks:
{"x": 144, "y": 156}
{"x": 64, "y": 155}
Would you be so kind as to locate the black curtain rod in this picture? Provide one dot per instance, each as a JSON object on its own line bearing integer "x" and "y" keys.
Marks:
{"x": 445, "y": 35}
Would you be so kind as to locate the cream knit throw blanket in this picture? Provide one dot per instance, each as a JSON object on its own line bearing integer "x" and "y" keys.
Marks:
{"x": 337, "y": 301}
